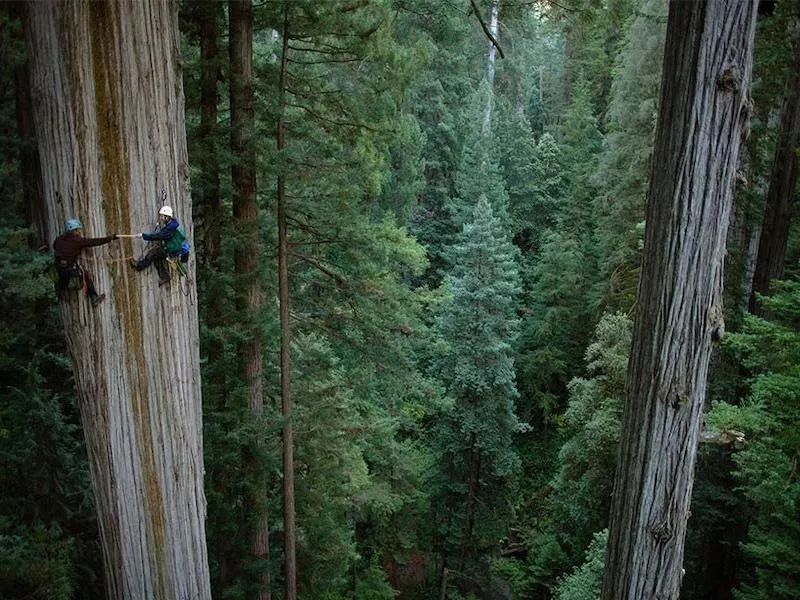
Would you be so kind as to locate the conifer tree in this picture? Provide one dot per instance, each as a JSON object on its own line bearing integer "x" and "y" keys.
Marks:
{"x": 339, "y": 98}
{"x": 554, "y": 326}
{"x": 627, "y": 149}
{"x": 453, "y": 71}
{"x": 579, "y": 492}
{"x": 580, "y": 144}
{"x": 766, "y": 466}
{"x": 479, "y": 326}
{"x": 561, "y": 278}
{"x": 517, "y": 162}
{"x": 247, "y": 259}
{"x": 479, "y": 172}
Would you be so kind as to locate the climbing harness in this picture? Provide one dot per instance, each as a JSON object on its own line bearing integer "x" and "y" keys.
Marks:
{"x": 76, "y": 274}
{"x": 179, "y": 270}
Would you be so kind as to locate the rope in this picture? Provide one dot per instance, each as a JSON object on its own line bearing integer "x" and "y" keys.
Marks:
{"x": 184, "y": 281}
{"x": 107, "y": 260}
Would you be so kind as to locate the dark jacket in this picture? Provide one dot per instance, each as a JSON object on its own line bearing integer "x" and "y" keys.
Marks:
{"x": 172, "y": 236}
{"x": 68, "y": 246}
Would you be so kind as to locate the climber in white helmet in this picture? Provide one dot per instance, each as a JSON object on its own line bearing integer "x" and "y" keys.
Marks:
{"x": 172, "y": 243}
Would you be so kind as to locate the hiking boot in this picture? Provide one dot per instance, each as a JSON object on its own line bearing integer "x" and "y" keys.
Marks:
{"x": 98, "y": 299}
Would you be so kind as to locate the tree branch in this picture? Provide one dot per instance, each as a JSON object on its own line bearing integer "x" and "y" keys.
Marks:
{"x": 322, "y": 118}
{"x": 323, "y": 62}
{"x": 317, "y": 265}
{"x": 485, "y": 27}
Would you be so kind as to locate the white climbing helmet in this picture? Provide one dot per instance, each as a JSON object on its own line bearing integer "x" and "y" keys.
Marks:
{"x": 166, "y": 211}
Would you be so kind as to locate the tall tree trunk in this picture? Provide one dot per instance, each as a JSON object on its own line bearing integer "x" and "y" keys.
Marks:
{"x": 206, "y": 188}
{"x": 490, "y": 65}
{"x": 704, "y": 97}
{"x": 473, "y": 463}
{"x": 110, "y": 124}
{"x": 289, "y": 534}
{"x": 29, "y": 164}
{"x": 246, "y": 256}
{"x": 782, "y": 185}
{"x": 209, "y": 159}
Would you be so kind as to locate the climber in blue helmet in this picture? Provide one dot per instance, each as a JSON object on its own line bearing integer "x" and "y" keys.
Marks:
{"x": 67, "y": 249}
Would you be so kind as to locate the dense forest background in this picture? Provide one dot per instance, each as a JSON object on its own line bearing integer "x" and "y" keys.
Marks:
{"x": 456, "y": 190}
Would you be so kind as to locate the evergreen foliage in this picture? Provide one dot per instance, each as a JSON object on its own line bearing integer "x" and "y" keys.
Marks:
{"x": 438, "y": 104}
{"x": 585, "y": 581}
{"x": 769, "y": 351}
{"x": 529, "y": 186}
{"x": 554, "y": 326}
{"x": 475, "y": 437}
{"x": 579, "y": 494}
{"x": 625, "y": 160}
{"x": 479, "y": 173}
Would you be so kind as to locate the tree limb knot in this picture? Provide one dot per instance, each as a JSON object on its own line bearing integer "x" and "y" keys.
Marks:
{"x": 661, "y": 532}
{"x": 730, "y": 80}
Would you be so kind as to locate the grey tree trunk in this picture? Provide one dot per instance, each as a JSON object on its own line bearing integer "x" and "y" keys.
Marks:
{"x": 702, "y": 119}
{"x": 490, "y": 65}
{"x": 109, "y": 114}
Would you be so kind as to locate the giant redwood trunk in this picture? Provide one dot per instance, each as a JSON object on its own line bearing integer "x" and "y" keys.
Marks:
{"x": 703, "y": 113}
{"x": 108, "y": 111}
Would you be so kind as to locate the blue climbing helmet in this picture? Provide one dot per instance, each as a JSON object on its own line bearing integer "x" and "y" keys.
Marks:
{"x": 72, "y": 224}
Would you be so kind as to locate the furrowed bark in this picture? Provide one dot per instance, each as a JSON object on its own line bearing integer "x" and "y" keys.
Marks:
{"x": 703, "y": 115}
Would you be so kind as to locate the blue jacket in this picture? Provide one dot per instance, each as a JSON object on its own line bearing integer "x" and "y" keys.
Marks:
{"x": 172, "y": 236}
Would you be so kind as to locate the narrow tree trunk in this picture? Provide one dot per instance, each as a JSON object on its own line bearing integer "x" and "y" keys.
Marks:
{"x": 704, "y": 97}
{"x": 110, "y": 125}
{"x": 290, "y": 564}
{"x": 208, "y": 159}
{"x": 246, "y": 256}
{"x": 473, "y": 463}
{"x": 781, "y": 192}
{"x": 490, "y": 64}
